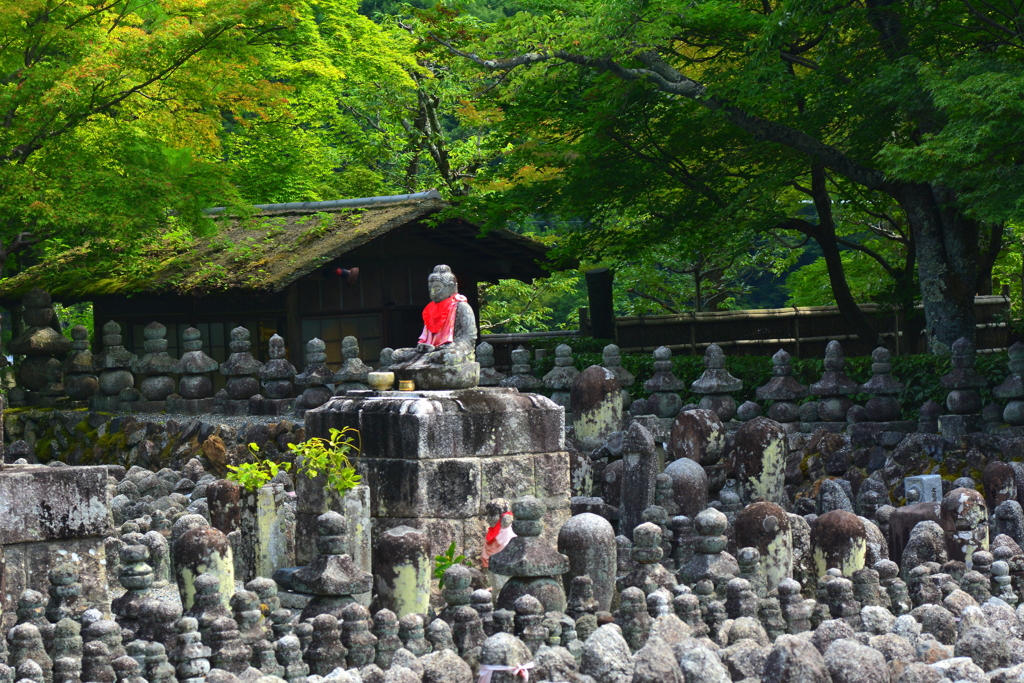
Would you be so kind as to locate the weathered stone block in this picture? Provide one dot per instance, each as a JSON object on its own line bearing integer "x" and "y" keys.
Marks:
{"x": 271, "y": 406}
{"x": 927, "y": 486}
{"x": 431, "y": 488}
{"x": 440, "y": 532}
{"x": 147, "y": 407}
{"x": 189, "y": 406}
{"x": 432, "y": 460}
{"x": 445, "y": 424}
{"x": 51, "y": 503}
{"x": 552, "y": 470}
{"x": 312, "y": 501}
{"x": 236, "y": 407}
{"x": 27, "y": 565}
{"x": 508, "y": 477}
{"x": 958, "y": 425}
{"x": 275, "y": 546}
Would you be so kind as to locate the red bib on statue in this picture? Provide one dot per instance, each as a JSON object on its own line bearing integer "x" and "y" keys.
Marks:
{"x": 439, "y": 320}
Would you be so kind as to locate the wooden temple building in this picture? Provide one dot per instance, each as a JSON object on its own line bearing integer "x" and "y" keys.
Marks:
{"x": 287, "y": 270}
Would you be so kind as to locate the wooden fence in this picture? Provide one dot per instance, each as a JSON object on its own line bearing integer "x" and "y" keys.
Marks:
{"x": 803, "y": 331}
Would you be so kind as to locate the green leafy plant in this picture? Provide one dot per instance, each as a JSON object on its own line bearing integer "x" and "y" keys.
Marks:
{"x": 253, "y": 475}
{"x": 330, "y": 456}
{"x": 445, "y": 560}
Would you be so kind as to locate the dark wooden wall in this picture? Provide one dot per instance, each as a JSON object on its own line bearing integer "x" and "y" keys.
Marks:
{"x": 382, "y": 308}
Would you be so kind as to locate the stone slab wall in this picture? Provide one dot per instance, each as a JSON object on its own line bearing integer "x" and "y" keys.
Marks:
{"x": 49, "y": 516}
{"x": 83, "y": 437}
{"x": 434, "y": 460}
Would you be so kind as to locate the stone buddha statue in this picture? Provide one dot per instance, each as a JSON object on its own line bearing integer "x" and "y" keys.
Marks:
{"x": 445, "y": 355}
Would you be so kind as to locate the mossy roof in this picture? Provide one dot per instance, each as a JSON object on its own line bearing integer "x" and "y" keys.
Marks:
{"x": 263, "y": 253}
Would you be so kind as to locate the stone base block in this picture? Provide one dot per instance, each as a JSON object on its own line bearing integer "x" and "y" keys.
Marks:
{"x": 27, "y": 565}
{"x": 38, "y": 399}
{"x": 105, "y": 404}
{"x": 147, "y": 407}
{"x": 234, "y": 407}
{"x": 41, "y": 399}
{"x": 659, "y": 427}
{"x": 959, "y": 425}
{"x": 51, "y": 503}
{"x": 434, "y": 459}
{"x": 444, "y": 424}
{"x": 272, "y": 406}
{"x": 190, "y": 406}
{"x": 49, "y": 516}
{"x": 871, "y": 433}
{"x": 294, "y": 601}
{"x": 547, "y": 589}
{"x": 834, "y": 427}
{"x": 1006, "y": 431}
{"x": 460, "y": 488}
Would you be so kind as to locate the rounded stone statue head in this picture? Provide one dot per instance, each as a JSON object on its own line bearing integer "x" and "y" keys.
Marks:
{"x": 442, "y": 283}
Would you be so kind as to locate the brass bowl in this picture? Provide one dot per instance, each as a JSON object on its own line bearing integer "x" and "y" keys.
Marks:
{"x": 406, "y": 385}
{"x": 381, "y": 381}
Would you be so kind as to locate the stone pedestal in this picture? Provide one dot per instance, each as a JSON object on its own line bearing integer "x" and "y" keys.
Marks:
{"x": 433, "y": 459}
{"x": 954, "y": 426}
{"x": 885, "y": 434}
{"x": 189, "y": 406}
{"x": 235, "y": 407}
{"x": 927, "y": 488}
{"x": 50, "y": 516}
{"x": 833, "y": 427}
{"x": 271, "y": 406}
{"x": 148, "y": 407}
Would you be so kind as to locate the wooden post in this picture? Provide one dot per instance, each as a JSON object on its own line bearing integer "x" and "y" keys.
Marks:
{"x": 896, "y": 328}
{"x": 693, "y": 334}
{"x": 602, "y": 311}
{"x": 796, "y": 329}
{"x": 293, "y": 339}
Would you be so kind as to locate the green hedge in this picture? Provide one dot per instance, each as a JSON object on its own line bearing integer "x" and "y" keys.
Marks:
{"x": 920, "y": 374}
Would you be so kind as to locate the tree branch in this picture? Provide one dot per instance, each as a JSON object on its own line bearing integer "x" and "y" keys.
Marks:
{"x": 670, "y": 81}
{"x": 651, "y": 297}
{"x": 882, "y": 261}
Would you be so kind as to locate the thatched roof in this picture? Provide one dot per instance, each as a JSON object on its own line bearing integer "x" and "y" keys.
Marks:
{"x": 261, "y": 254}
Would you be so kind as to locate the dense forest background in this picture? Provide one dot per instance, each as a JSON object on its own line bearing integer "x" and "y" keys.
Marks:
{"x": 716, "y": 154}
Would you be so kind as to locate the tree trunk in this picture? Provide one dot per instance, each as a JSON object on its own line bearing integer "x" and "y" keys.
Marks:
{"x": 851, "y": 312}
{"x": 825, "y": 235}
{"x": 947, "y": 263}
